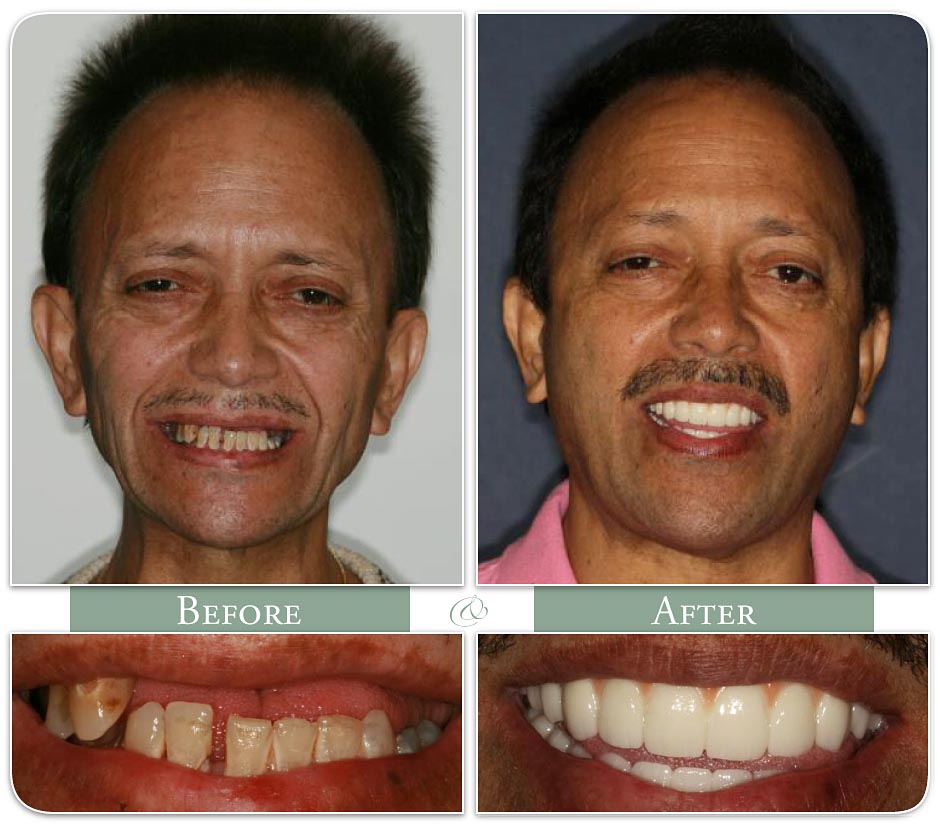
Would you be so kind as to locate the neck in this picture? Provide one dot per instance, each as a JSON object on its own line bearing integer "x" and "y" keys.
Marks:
{"x": 150, "y": 552}
{"x": 603, "y": 551}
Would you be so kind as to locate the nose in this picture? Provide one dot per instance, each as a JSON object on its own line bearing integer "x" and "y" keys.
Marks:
{"x": 232, "y": 346}
{"x": 713, "y": 318}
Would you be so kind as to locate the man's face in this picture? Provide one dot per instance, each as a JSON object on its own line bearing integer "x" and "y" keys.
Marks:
{"x": 235, "y": 258}
{"x": 705, "y": 232}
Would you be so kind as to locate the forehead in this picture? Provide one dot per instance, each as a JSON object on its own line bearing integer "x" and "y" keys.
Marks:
{"x": 712, "y": 141}
{"x": 238, "y": 160}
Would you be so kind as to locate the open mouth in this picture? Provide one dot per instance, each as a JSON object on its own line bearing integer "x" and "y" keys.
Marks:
{"x": 701, "y": 723}
{"x": 699, "y": 739}
{"x": 237, "y": 722}
{"x": 224, "y": 439}
{"x": 701, "y": 419}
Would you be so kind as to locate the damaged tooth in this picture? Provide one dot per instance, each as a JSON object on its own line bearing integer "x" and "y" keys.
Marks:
{"x": 58, "y": 721}
{"x": 378, "y": 740}
{"x": 294, "y": 739}
{"x": 247, "y": 746}
{"x": 188, "y": 734}
{"x": 428, "y": 733}
{"x": 407, "y": 743}
{"x": 215, "y": 433}
{"x": 202, "y": 437}
{"x": 94, "y": 707}
{"x": 145, "y": 732}
{"x": 340, "y": 738}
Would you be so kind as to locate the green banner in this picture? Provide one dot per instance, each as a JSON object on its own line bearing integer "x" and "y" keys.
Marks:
{"x": 665, "y": 609}
{"x": 248, "y": 608}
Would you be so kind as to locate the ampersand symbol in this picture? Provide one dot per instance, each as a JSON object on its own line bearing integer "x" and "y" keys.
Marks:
{"x": 468, "y": 611}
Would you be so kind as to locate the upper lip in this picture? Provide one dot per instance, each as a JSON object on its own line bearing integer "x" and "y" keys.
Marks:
{"x": 842, "y": 666}
{"x": 403, "y": 663}
{"x": 709, "y": 393}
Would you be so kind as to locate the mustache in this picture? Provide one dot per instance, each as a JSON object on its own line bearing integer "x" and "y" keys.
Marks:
{"x": 238, "y": 401}
{"x": 751, "y": 376}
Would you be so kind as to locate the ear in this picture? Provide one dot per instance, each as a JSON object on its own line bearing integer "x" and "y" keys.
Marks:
{"x": 404, "y": 349}
{"x": 872, "y": 348}
{"x": 55, "y": 328}
{"x": 524, "y": 323}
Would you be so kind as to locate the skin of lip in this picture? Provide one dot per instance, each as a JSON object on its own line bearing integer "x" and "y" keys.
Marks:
{"x": 716, "y": 156}
{"x": 45, "y": 769}
{"x": 235, "y": 241}
{"x": 520, "y": 772}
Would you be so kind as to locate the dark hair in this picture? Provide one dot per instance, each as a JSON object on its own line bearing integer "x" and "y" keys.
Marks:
{"x": 346, "y": 57}
{"x": 740, "y": 46}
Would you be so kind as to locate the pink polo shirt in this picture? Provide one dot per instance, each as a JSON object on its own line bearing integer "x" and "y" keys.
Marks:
{"x": 540, "y": 557}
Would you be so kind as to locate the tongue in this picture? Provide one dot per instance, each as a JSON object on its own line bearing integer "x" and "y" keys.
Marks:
{"x": 308, "y": 700}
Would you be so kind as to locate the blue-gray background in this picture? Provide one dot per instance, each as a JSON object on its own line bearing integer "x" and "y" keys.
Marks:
{"x": 876, "y": 495}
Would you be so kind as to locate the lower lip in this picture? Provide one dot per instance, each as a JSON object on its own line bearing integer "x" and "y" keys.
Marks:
{"x": 53, "y": 775}
{"x": 231, "y": 460}
{"x": 559, "y": 782}
{"x": 733, "y": 441}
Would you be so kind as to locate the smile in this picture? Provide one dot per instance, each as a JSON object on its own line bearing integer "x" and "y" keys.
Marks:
{"x": 699, "y": 739}
{"x": 211, "y": 737}
{"x": 220, "y": 438}
{"x": 723, "y": 418}
{"x": 699, "y": 723}
{"x": 170, "y": 722}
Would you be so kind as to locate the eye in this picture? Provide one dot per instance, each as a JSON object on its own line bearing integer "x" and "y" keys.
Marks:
{"x": 795, "y": 275}
{"x": 158, "y": 285}
{"x": 637, "y": 263}
{"x": 316, "y": 296}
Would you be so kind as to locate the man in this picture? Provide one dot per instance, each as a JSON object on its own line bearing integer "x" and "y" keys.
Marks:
{"x": 704, "y": 266}
{"x": 702, "y": 722}
{"x": 236, "y": 239}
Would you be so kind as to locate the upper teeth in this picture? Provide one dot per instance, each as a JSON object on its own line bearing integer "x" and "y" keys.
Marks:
{"x": 705, "y": 414}
{"x": 182, "y": 732}
{"x": 216, "y": 437}
{"x": 731, "y": 723}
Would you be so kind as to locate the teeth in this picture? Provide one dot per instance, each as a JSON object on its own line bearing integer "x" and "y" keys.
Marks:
{"x": 551, "y": 702}
{"x": 293, "y": 743}
{"x": 247, "y": 746}
{"x": 340, "y": 738}
{"x": 622, "y": 708}
{"x": 428, "y": 733}
{"x": 703, "y": 414}
{"x": 189, "y": 734}
{"x": 792, "y": 721}
{"x": 96, "y": 706}
{"x": 378, "y": 740}
{"x": 215, "y": 438}
{"x": 676, "y": 721}
{"x": 58, "y": 720}
{"x": 579, "y": 703}
{"x": 731, "y": 723}
{"x": 145, "y": 732}
{"x": 406, "y": 742}
{"x": 737, "y": 728}
{"x": 182, "y": 733}
{"x": 832, "y": 722}
{"x": 858, "y": 721}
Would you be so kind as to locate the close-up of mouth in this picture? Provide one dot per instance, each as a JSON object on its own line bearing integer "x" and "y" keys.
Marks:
{"x": 706, "y": 421}
{"x": 223, "y": 440}
{"x": 237, "y": 722}
{"x": 704, "y": 723}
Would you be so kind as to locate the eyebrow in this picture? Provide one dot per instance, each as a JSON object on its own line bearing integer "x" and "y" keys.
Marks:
{"x": 657, "y": 218}
{"x": 190, "y": 250}
{"x": 777, "y": 227}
